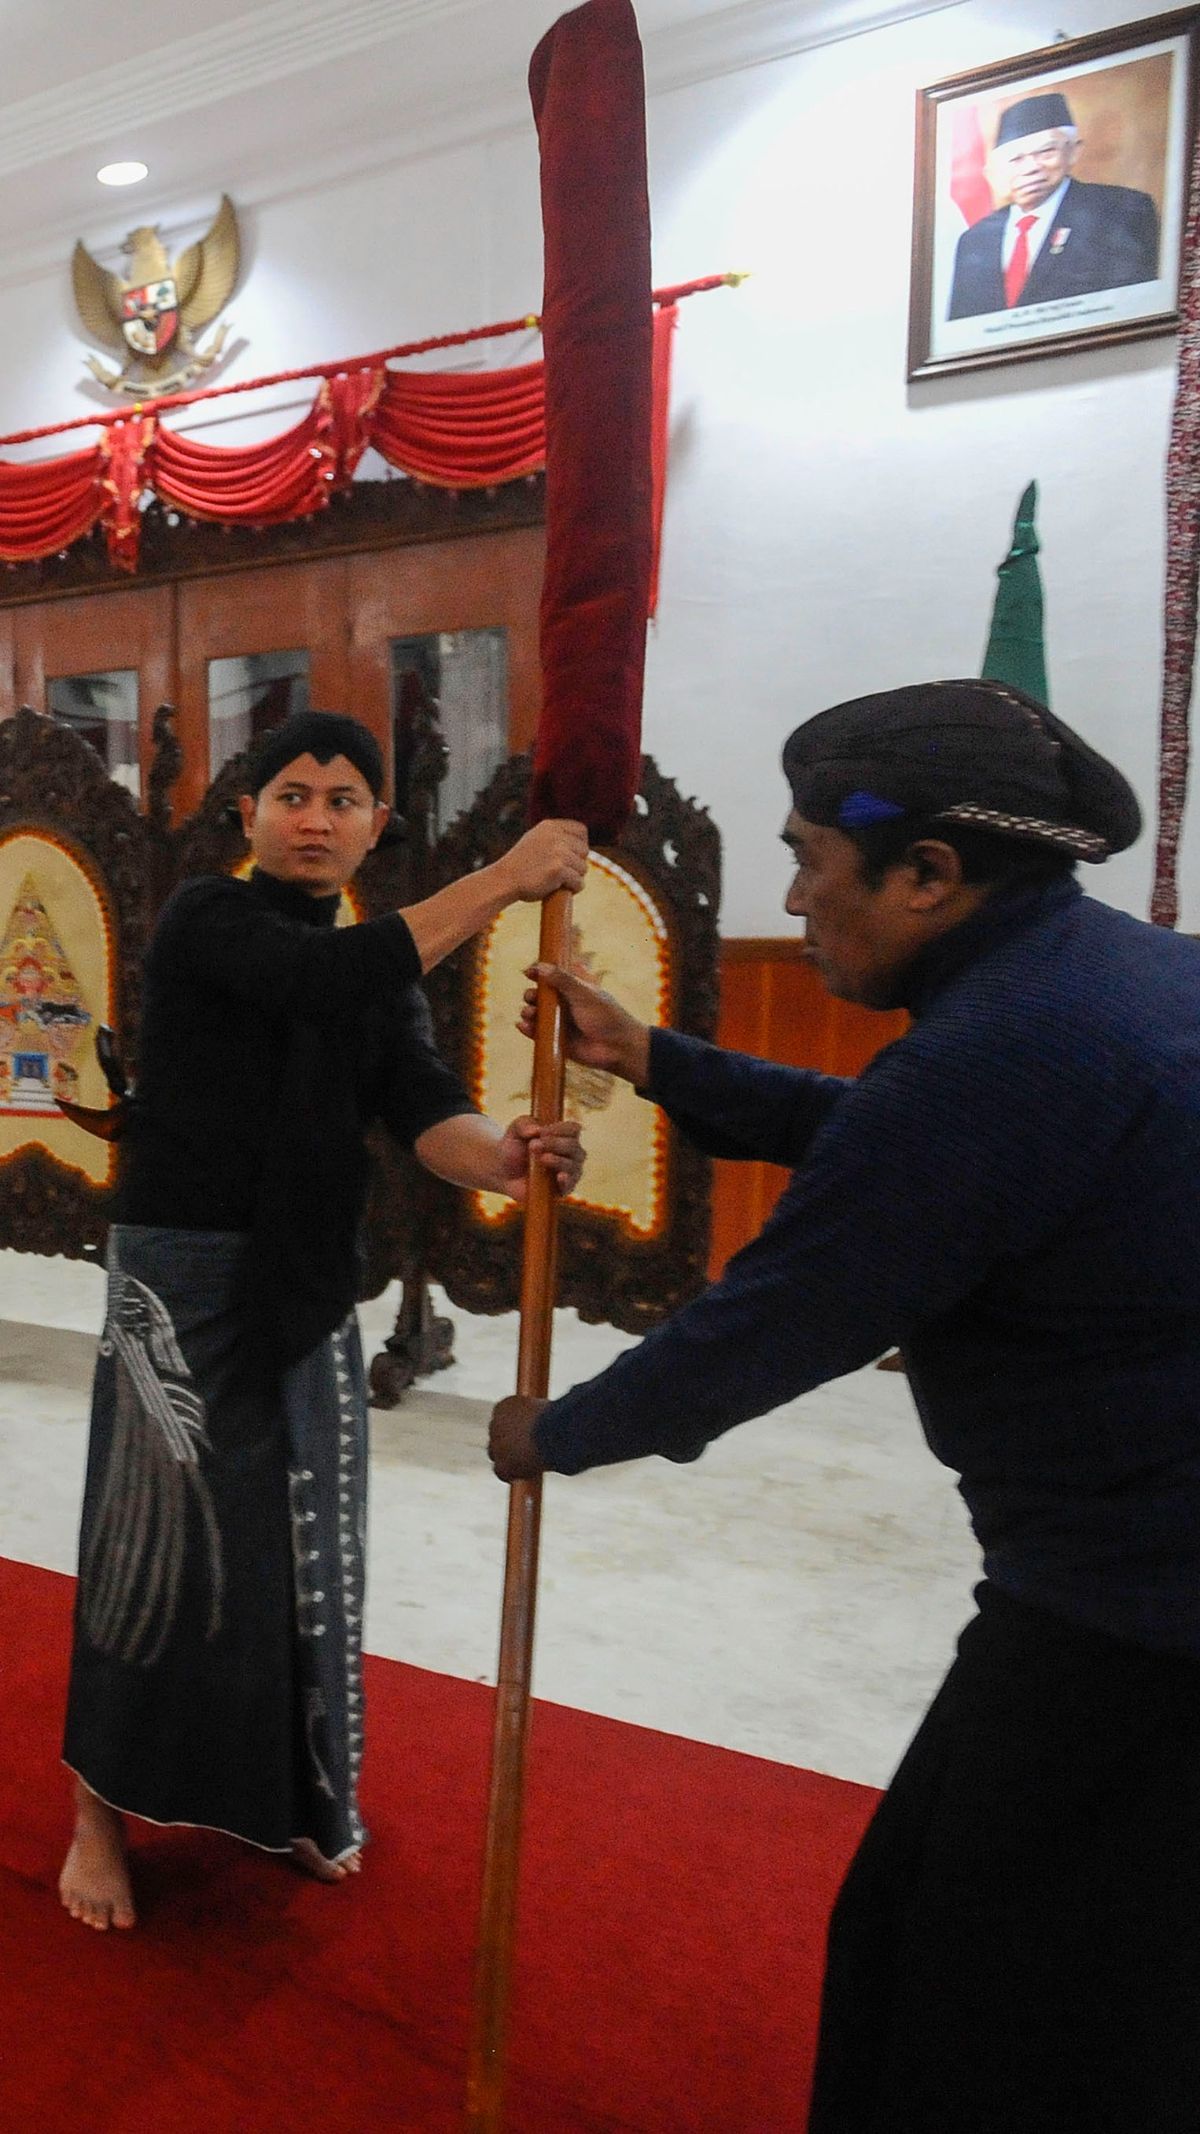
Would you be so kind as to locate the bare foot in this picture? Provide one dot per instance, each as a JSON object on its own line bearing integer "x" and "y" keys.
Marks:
{"x": 314, "y": 1863}
{"x": 94, "y": 1884}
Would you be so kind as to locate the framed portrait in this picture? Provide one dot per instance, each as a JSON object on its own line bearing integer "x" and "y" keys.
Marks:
{"x": 1051, "y": 197}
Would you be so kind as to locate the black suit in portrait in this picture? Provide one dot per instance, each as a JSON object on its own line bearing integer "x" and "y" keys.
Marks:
{"x": 1111, "y": 241}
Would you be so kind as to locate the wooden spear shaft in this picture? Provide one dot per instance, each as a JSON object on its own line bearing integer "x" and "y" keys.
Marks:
{"x": 498, "y": 1913}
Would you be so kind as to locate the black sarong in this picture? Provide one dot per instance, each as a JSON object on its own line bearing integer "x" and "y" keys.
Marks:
{"x": 1016, "y": 1948}
{"x": 216, "y": 1674}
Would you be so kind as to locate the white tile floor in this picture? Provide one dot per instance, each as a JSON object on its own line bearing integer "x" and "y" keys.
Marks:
{"x": 795, "y": 1594}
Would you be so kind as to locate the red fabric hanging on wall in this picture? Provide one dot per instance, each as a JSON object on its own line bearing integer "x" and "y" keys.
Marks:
{"x": 123, "y": 448}
{"x": 281, "y": 478}
{"x": 463, "y": 432}
{"x": 284, "y": 477}
{"x": 349, "y": 403}
{"x": 454, "y": 430}
{"x": 48, "y": 503}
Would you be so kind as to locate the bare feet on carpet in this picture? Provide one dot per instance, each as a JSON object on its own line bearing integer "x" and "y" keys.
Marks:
{"x": 314, "y": 1863}
{"x": 94, "y": 1884}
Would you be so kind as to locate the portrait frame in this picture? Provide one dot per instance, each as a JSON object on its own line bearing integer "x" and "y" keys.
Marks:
{"x": 1132, "y": 96}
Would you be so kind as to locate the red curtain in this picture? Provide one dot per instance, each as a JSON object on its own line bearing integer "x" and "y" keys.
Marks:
{"x": 123, "y": 450}
{"x": 454, "y": 430}
{"x": 284, "y": 477}
{"x": 48, "y": 503}
{"x": 469, "y": 431}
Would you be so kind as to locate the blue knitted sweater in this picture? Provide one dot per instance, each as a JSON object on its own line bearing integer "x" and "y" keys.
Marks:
{"x": 1011, "y": 1192}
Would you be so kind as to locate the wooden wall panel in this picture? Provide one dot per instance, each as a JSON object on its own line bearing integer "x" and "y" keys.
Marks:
{"x": 9, "y": 700}
{"x": 83, "y": 635}
{"x": 392, "y": 561}
{"x": 478, "y": 582}
{"x": 282, "y": 608}
{"x": 774, "y": 1004}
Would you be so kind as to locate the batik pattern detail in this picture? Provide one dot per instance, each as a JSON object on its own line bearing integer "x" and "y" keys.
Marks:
{"x": 306, "y": 1554}
{"x": 153, "y": 1489}
{"x": 352, "y": 1538}
{"x": 324, "y": 1400}
{"x": 1084, "y": 844}
{"x": 1183, "y": 578}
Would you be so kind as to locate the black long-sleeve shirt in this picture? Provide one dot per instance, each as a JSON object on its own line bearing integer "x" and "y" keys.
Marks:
{"x": 234, "y": 968}
{"x": 1011, "y": 1192}
{"x": 272, "y": 1039}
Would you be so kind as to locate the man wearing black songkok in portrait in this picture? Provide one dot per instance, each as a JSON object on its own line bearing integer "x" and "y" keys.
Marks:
{"x": 216, "y": 1672}
{"x": 1011, "y": 1193}
{"x": 1056, "y": 236}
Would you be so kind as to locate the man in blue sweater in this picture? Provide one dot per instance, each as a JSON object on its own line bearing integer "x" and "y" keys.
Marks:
{"x": 1011, "y": 1192}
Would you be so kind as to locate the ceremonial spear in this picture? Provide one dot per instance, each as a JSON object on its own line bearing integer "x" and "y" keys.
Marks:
{"x": 587, "y": 85}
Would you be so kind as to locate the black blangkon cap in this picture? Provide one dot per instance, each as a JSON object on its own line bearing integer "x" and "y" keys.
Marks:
{"x": 970, "y": 752}
{"x": 1034, "y": 114}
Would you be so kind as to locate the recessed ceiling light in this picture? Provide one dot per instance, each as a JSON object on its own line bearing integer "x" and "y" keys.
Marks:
{"x": 122, "y": 173}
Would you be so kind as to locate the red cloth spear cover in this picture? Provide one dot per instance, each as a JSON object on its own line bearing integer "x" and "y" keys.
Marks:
{"x": 588, "y": 91}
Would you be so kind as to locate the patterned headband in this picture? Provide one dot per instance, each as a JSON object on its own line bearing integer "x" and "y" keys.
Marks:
{"x": 1083, "y": 843}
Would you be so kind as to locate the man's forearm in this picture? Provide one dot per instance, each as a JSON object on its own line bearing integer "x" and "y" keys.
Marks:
{"x": 444, "y": 921}
{"x": 551, "y": 856}
{"x": 733, "y": 1104}
{"x": 465, "y": 1151}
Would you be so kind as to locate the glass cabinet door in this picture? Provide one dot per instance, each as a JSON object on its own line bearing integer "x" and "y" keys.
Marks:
{"x": 104, "y": 709}
{"x": 250, "y": 693}
{"x": 453, "y": 685}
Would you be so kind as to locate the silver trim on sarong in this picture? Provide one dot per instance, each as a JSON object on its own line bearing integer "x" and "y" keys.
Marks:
{"x": 131, "y": 1575}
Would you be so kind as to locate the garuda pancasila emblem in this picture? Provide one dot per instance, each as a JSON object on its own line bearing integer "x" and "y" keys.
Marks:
{"x": 151, "y": 317}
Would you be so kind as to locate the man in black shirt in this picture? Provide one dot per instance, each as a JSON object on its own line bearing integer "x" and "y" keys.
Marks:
{"x": 216, "y": 1675}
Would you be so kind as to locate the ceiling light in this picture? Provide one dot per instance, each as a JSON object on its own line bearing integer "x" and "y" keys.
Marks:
{"x": 122, "y": 173}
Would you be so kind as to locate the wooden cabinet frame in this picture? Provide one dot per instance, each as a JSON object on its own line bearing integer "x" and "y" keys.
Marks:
{"x": 386, "y": 560}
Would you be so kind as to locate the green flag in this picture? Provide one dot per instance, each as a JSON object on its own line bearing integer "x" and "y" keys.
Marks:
{"x": 1016, "y": 650}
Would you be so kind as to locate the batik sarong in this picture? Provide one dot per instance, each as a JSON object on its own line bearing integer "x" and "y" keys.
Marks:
{"x": 216, "y": 1675}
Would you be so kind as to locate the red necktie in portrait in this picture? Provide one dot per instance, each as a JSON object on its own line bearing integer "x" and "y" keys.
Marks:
{"x": 1016, "y": 274}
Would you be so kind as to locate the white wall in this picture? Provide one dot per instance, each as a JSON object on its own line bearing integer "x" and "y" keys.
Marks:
{"x": 829, "y": 529}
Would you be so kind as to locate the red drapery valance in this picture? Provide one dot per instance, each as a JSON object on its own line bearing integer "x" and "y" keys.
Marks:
{"x": 46, "y": 506}
{"x": 450, "y": 429}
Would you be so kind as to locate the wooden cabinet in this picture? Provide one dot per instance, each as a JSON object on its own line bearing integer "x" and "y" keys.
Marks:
{"x": 286, "y": 608}
{"x": 478, "y": 583}
{"x": 326, "y": 601}
{"x": 130, "y": 632}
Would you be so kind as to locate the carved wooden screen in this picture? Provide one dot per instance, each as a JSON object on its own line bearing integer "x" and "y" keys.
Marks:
{"x": 77, "y": 883}
{"x": 634, "y": 1243}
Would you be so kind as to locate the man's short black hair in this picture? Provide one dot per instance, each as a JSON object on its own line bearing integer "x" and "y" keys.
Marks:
{"x": 323, "y": 734}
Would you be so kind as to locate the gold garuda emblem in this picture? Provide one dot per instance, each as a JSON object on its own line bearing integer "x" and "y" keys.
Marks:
{"x": 152, "y": 315}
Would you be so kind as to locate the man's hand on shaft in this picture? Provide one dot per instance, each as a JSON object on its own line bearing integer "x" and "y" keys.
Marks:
{"x": 553, "y": 855}
{"x": 557, "y": 1147}
{"x": 598, "y": 1031}
{"x": 510, "y": 1440}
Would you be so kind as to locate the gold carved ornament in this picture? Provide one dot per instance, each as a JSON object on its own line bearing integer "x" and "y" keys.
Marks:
{"x": 151, "y": 315}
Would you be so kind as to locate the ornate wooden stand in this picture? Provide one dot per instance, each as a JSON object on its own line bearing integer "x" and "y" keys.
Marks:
{"x": 416, "y": 1230}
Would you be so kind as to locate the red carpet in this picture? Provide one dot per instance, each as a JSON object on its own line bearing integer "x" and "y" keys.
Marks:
{"x": 673, "y": 1911}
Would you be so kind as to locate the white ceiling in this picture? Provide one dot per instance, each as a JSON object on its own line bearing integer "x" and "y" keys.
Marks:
{"x": 276, "y": 97}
